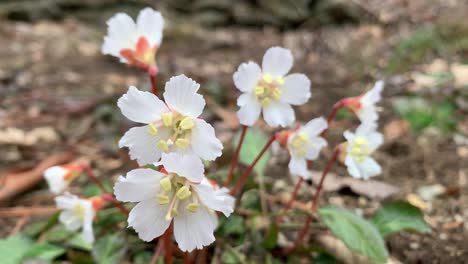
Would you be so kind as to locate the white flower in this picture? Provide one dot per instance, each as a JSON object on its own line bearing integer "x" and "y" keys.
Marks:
{"x": 173, "y": 126}
{"x": 176, "y": 196}
{"x": 77, "y": 213}
{"x": 135, "y": 43}
{"x": 366, "y": 110}
{"x": 59, "y": 177}
{"x": 270, "y": 89}
{"x": 305, "y": 144}
{"x": 359, "y": 147}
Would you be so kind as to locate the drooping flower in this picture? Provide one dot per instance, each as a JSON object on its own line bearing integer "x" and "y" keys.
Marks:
{"x": 305, "y": 144}
{"x": 59, "y": 177}
{"x": 135, "y": 43}
{"x": 183, "y": 196}
{"x": 358, "y": 150}
{"x": 270, "y": 89}
{"x": 78, "y": 213}
{"x": 364, "y": 106}
{"x": 173, "y": 126}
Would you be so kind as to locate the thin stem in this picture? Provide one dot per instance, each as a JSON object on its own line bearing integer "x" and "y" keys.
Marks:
{"x": 244, "y": 176}
{"x": 337, "y": 106}
{"x": 157, "y": 252}
{"x": 300, "y": 237}
{"x": 291, "y": 200}
{"x": 94, "y": 178}
{"x": 154, "y": 88}
{"x": 108, "y": 197}
{"x": 330, "y": 163}
{"x": 236, "y": 157}
{"x": 167, "y": 245}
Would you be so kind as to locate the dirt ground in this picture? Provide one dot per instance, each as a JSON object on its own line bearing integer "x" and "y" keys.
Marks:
{"x": 53, "y": 76}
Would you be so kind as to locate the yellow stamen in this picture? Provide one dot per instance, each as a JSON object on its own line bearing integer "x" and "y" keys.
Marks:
{"x": 152, "y": 130}
{"x": 280, "y": 80}
{"x": 266, "y": 102}
{"x": 165, "y": 184}
{"x": 183, "y": 193}
{"x": 361, "y": 141}
{"x": 167, "y": 119}
{"x": 186, "y": 123}
{"x": 268, "y": 78}
{"x": 162, "y": 145}
{"x": 79, "y": 211}
{"x": 182, "y": 143}
{"x": 193, "y": 207}
{"x": 163, "y": 199}
{"x": 277, "y": 94}
{"x": 259, "y": 90}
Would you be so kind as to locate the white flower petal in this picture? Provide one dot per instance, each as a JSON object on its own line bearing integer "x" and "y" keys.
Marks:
{"x": 194, "y": 230}
{"x": 375, "y": 140}
{"x": 205, "y": 144}
{"x": 247, "y": 76}
{"x": 314, "y": 127}
{"x": 121, "y": 34}
{"x": 369, "y": 168}
{"x": 366, "y": 128}
{"x": 296, "y": 89}
{"x": 353, "y": 169}
{"x": 250, "y": 109}
{"x": 66, "y": 201}
{"x": 219, "y": 200}
{"x": 55, "y": 179}
{"x": 88, "y": 234}
{"x": 69, "y": 220}
{"x": 373, "y": 95}
{"x": 150, "y": 23}
{"x": 142, "y": 145}
{"x": 316, "y": 144}
{"x": 367, "y": 114}
{"x": 277, "y": 61}
{"x": 147, "y": 218}
{"x": 181, "y": 95}
{"x": 141, "y": 107}
{"x": 349, "y": 136}
{"x": 139, "y": 185}
{"x": 298, "y": 167}
{"x": 188, "y": 166}
{"x": 278, "y": 114}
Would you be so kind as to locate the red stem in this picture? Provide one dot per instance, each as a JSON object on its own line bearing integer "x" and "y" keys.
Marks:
{"x": 330, "y": 163}
{"x": 157, "y": 252}
{"x": 300, "y": 237}
{"x": 108, "y": 197}
{"x": 236, "y": 157}
{"x": 291, "y": 200}
{"x": 94, "y": 178}
{"x": 167, "y": 245}
{"x": 154, "y": 88}
{"x": 244, "y": 176}
{"x": 337, "y": 106}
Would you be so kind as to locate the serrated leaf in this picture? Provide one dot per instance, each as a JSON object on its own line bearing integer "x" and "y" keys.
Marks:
{"x": 44, "y": 251}
{"x": 254, "y": 142}
{"x": 13, "y": 249}
{"x": 109, "y": 249}
{"x": 397, "y": 216}
{"x": 356, "y": 232}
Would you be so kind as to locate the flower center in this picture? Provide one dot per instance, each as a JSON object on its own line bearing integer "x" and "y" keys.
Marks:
{"x": 79, "y": 211}
{"x": 299, "y": 144}
{"x": 268, "y": 89}
{"x": 180, "y": 128}
{"x": 143, "y": 56}
{"x": 360, "y": 149}
{"x": 173, "y": 190}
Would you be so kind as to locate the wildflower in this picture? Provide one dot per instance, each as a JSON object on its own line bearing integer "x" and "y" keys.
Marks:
{"x": 59, "y": 177}
{"x": 183, "y": 196}
{"x": 358, "y": 149}
{"x": 364, "y": 105}
{"x": 173, "y": 126}
{"x": 78, "y": 213}
{"x": 135, "y": 43}
{"x": 305, "y": 144}
{"x": 270, "y": 90}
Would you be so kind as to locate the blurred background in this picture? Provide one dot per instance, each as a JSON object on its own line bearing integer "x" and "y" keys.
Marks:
{"x": 58, "y": 96}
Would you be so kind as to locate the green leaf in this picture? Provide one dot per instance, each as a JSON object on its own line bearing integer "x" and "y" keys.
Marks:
{"x": 397, "y": 216}
{"x": 44, "y": 251}
{"x": 233, "y": 256}
{"x": 271, "y": 237}
{"x": 77, "y": 241}
{"x": 109, "y": 249}
{"x": 58, "y": 234}
{"x": 13, "y": 249}
{"x": 357, "y": 233}
{"x": 234, "y": 225}
{"x": 254, "y": 142}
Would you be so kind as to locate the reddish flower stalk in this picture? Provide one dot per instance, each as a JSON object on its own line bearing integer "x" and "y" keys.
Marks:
{"x": 236, "y": 157}
{"x": 167, "y": 245}
{"x": 157, "y": 252}
{"x": 244, "y": 176}
{"x": 154, "y": 88}
{"x": 337, "y": 106}
{"x": 291, "y": 200}
{"x": 108, "y": 197}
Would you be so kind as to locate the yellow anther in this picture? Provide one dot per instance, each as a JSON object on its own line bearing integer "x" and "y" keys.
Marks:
{"x": 301, "y": 152}
{"x": 152, "y": 130}
{"x": 183, "y": 192}
{"x": 277, "y": 94}
{"x": 167, "y": 118}
{"x": 193, "y": 207}
{"x": 182, "y": 143}
{"x": 280, "y": 80}
{"x": 361, "y": 141}
{"x": 162, "y": 145}
{"x": 268, "y": 78}
{"x": 165, "y": 184}
{"x": 259, "y": 90}
{"x": 356, "y": 151}
{"x": 79, "y": 211}
{"x": 186, "y": 123}
{"x": 163, "y": 199}
{"x": 174, "y": 212}
{"x": 303, "y": 136}
{"x": 171, "y": 214}
{"x": 266, "y": 102}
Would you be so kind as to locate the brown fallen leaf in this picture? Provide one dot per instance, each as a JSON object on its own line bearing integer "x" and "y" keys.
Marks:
{"x": 21, "y": 211}
{"x": 15, "y": 183}
{"x": 370, "y": 188}
{"x": 396, "y": 129}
